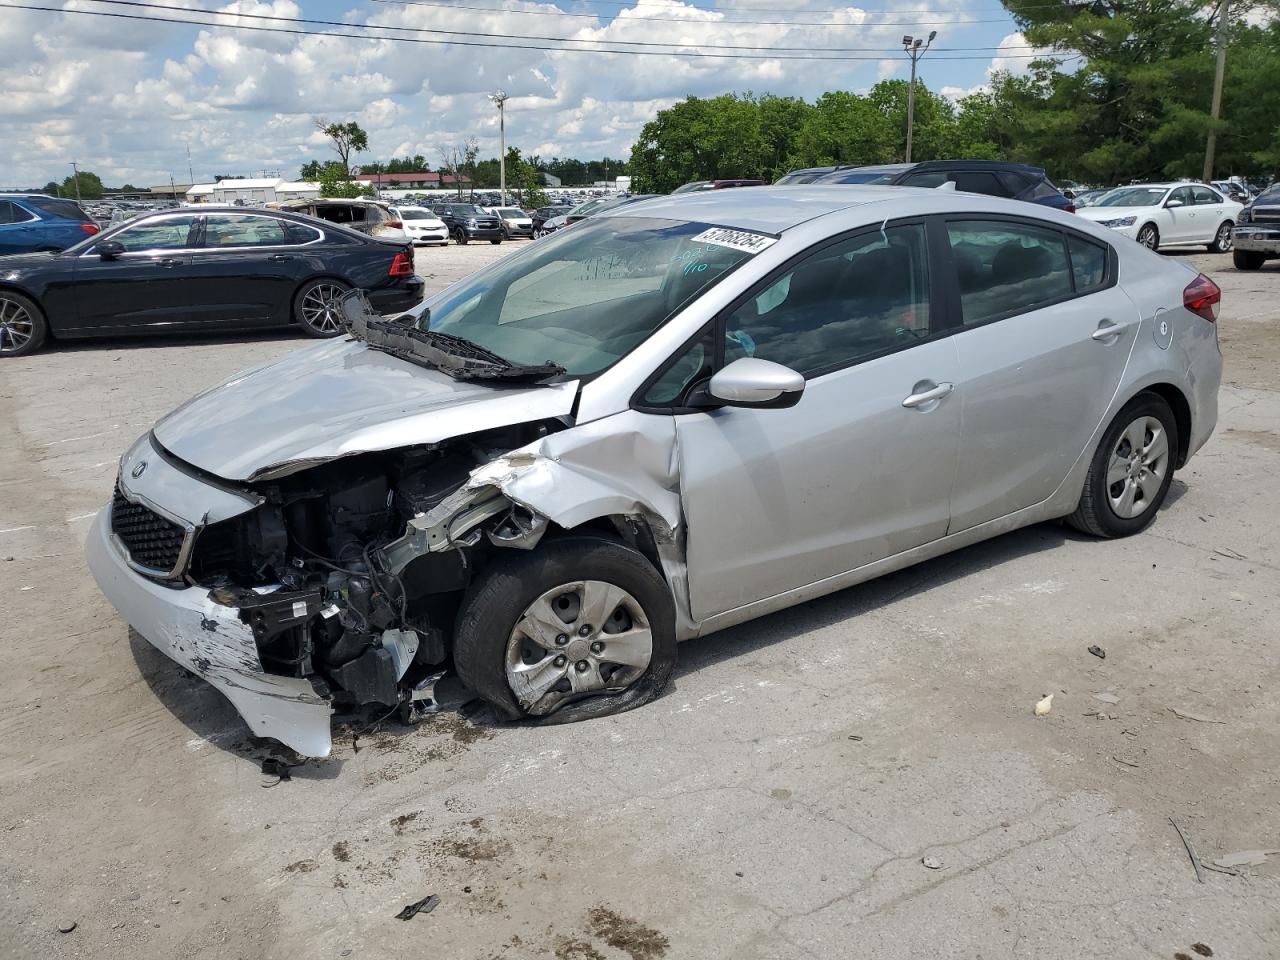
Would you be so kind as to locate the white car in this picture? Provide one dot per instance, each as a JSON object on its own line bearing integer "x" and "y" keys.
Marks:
{"x": 1168, "y": 215}
{"x": 421, "y": 225}
{"x": 515, "y": 222}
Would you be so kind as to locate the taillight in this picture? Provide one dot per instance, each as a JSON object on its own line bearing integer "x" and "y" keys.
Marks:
{"x": 401, "y": 266}
{"x": 1202, "y": 297}
{"x": 394, "y": 224}
{"x": 90, "y": 228}
{"x": 1070, "y": 208}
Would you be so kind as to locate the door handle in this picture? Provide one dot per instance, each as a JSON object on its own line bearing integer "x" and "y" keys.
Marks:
{"x": 168, "y": 262}
{"x": 1107, "y": 332}
{"x": 279, "y": 257}
{"x": 928, "y": 395}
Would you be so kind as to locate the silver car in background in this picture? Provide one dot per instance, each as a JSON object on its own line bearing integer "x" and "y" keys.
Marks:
{"x": 671, "y": 419}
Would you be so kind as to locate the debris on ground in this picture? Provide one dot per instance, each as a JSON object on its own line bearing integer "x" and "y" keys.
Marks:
{"x": 271, "y": 767}
{"x": 66, "y": 926}
{"x": 1044, "y": 706}
{"x": 1106, "y": 697}
{"x": 932, "y": 863}
{"x": 1246, "y": 858}
{"x": 1098, "y": 652}
{"x": 1191, "y": 851}
{"x": 1184, "y": 715}
{"x": 1127, "y": 763}
{"x": 425, "y": 905}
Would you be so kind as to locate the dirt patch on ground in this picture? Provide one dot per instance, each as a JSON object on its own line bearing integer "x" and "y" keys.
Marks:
{"x": 630, "y": 936}
{"x": 1268, "y": 439}
{"x": 445, "y": 736}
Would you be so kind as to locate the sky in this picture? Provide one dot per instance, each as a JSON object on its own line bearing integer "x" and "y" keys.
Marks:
{"x": 127, "y": 99}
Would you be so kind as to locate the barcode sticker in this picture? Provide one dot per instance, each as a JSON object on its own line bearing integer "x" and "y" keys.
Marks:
{"x": 743, "y": 240}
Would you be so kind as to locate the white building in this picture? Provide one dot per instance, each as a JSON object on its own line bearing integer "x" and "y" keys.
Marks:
{"x": 254, "y": 192}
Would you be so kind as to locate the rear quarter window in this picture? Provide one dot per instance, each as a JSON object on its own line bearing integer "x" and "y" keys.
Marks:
{"x": 67, "y": 209}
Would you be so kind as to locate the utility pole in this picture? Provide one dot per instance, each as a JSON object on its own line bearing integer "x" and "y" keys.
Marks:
{"x": 500, "y": 98}
{"x": 191, "y": 177}
{"x": 1211, "y": 142}
{"x": 915, "y": 48}
{"x": 75, "y": 175}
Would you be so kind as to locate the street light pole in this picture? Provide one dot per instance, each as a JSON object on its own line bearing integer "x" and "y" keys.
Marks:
{"x": 1211, "y": 143}
{"x": 915, "y": 48}
{"x": 75, "y": 175}
{"x": 500, "y": 98}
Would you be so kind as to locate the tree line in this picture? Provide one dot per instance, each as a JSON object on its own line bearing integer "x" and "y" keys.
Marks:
{"x": 1131, "y": 103}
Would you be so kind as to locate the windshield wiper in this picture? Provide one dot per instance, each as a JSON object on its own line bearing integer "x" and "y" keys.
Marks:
{"x": 458, "y": 357}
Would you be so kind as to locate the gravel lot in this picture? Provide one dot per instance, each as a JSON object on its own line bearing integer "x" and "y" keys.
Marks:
{"x": 775, "y": 804}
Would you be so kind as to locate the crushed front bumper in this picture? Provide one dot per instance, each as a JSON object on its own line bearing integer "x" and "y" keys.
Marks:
{"x": 211, "y": 640}
{"x": 1255, "y": 238}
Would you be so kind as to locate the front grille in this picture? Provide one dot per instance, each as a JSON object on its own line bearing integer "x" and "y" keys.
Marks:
{"x": 1269, "y": 216}
{"x": 152, "y": 541}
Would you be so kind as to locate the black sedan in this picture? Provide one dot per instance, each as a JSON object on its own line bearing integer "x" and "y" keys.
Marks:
{"x": 195, "y": 270}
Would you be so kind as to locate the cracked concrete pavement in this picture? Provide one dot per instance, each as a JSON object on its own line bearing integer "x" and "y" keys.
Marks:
{"x": 776, "y": 803}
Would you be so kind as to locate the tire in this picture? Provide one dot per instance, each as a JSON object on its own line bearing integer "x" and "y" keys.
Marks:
{"x": 1149, "y": 236}
{"x": 1222, "y": 239}
{"x": 496, "y": 242}
{"x": 460, "y": 236}
{"x": 1098, "y": 513}
{"x": 23, "y": 327}
{"x": 537, "y": 233}
{"x": 489, "y": 646}
{"x": 1248, "y": 259}
{"x": 315, "y": 307}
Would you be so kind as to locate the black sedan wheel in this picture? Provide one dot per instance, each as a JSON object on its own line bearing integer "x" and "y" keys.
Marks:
{"x": 317, "y": 307}
{"x": 22, "y": 325}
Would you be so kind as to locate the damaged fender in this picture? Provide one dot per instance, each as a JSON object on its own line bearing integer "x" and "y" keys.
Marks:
{"x": 569, "y": 479}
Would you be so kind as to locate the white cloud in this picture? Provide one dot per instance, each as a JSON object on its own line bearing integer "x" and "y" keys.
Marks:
{"x": 124, "y": 98}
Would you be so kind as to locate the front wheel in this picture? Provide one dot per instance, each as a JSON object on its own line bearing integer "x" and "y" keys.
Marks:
{"x": 1222, "y": 239}
{"x": 1149, "y": 237}
{"x": 1247, "y": 259}
{"x": 496, "y": 242}
{"x": 317, "y": 307}
{"x": 460, "y": 237}
{"x": 1131, "y": 470}
{"x": 580, "y": 627}
{"x": 22, "y": 325}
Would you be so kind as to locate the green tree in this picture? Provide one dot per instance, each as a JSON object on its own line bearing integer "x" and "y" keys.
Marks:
{"x": 334, "y": 184}
{"x": 345, "y": 138}
{"x": 53, "y": 188}
{"x": 89, "y": 188}
{"x": 697, "y": 139}
{"x": 842, "y": 127}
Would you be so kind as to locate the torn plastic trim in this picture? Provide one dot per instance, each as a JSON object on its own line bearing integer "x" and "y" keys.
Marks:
{"x": 213, "y": 642}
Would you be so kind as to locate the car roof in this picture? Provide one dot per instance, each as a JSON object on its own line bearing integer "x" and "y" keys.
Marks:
{"x": 926, "y": 165}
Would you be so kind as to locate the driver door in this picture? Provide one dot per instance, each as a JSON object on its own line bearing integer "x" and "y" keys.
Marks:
{"x": 146, "y": 286}
{"x": 1181, "y": 222}
{"x": 861, "y": 468}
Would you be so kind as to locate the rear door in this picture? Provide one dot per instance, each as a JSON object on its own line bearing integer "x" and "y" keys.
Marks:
{"x": 147, "y": 286}
{"x": 245, "y": 269}
{"x": 17, "y": 229}
{"x": 1211, "y": 210}
{"x": 1044, "y": 340}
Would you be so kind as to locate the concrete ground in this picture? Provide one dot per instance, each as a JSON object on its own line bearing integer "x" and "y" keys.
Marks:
{"x": 861, "y": 776}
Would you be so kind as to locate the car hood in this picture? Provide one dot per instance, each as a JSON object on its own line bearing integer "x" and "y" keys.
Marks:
{"x": 336, "y": 399}
{"x": 1111, "y": 213}
{"x": 14, "y": 262}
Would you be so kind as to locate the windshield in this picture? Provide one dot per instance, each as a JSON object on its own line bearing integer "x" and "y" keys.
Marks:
{"x": 582, "y": 209}
{"x": 510, "y": 213}
{"x": 1132, "y": 197}
{"x": 416, "y": 214}
{"x": 585, "y": 298}
{"x": 860, "y": 176}
{"x": 807, "y": 176}
{"x": 467, "y": 210}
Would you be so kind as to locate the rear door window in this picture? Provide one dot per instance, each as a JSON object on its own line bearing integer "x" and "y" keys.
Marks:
{"x": 1204, "y": 196}
{"x": 10, "y": 212}
{"x": 1005, "y": 268}
{"x": 67, "y": 209}
{"x": 979, "y": 181}
{"x": 243, "y": 230}
{"x": 1088, "y": 263}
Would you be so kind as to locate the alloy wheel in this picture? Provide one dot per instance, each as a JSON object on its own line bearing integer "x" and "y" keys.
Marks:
{"x": 321, "y": 307}
{"x": 1147, "y": 237}
{"x": 1137, "y": 467}
{"x": 1224, "y": 239}
{"x": 575, "y": 640}
{"x": 17, "y": 326}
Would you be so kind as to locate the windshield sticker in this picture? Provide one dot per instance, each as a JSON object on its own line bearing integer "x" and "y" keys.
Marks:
{"x": 736, "y": 239}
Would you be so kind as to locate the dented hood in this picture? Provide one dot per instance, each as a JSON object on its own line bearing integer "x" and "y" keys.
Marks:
{"x": 340, "y": 398}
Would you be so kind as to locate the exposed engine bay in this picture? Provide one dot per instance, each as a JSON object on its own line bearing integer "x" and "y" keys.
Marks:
{"x": 350, "y": 573}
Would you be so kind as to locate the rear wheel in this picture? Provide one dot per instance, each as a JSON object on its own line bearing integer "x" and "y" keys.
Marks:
{"x": 1149, "y": 237}
{"x": 317, "y": 307}
{"x": 1131, "y": 470}
{"x": 22, "y": 325}
{"x": 1247, "y": 259}
{"x": 1222, "y": 239}
{"x": 580, "y": 627}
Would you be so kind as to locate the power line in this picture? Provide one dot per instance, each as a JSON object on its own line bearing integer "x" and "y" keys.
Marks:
{"x": 687, "y": 54}
{"x": 690, "y": 22}
{"x": 516, "y": 36}
{"x": 741, "y": 8}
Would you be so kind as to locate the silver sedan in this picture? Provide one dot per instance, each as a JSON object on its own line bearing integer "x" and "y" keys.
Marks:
{"x": 666, "y": 421}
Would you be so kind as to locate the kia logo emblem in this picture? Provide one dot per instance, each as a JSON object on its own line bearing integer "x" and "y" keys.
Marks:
{"x": 139, "y": 470}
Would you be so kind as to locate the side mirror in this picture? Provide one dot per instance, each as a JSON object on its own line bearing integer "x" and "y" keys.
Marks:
{"x": 752, "y": 382}
{"x": 109, "y": 249}
{"x": 1170, "y": 204}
